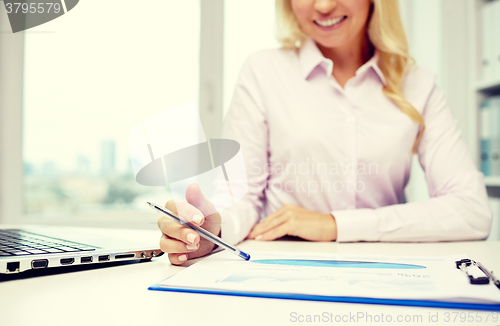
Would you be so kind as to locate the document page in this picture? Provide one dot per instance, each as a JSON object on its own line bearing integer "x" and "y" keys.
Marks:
{"x": 338, "y": 275}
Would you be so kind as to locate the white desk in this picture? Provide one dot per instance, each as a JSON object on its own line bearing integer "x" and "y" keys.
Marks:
{"x": 118, "y": 295}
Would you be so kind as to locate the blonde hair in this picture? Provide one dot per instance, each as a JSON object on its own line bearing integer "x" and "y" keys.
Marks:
{"x": 385, "y": 32}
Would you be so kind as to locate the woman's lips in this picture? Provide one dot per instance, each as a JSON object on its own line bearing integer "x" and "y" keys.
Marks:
{"x": 328, "y": 24}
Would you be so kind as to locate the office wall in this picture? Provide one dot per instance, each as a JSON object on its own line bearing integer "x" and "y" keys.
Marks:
{"x": 442, "y": 35}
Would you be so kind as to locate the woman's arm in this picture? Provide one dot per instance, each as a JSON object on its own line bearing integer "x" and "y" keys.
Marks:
{"x": 458, "y": 208}
{"x": 246, "y": 123}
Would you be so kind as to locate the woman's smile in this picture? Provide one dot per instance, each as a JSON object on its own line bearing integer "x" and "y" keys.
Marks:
{"x": 330, "y": 24}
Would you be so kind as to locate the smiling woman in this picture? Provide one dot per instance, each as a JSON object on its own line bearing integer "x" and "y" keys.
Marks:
{"x": 317, "y": 20}
{"x": 342, "y": 89}
{"x": 299, "y": 19}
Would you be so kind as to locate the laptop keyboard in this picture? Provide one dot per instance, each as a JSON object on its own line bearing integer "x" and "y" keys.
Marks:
{"x": 15, "y": 242}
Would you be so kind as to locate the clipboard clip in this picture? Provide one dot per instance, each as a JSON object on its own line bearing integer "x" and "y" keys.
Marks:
{"x": 464, "y": 263}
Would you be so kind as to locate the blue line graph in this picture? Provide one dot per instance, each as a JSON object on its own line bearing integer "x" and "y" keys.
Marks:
{"x": 336, "y": 263}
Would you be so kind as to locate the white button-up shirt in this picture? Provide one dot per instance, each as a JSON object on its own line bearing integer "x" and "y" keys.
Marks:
{"x": 348, "y": 151}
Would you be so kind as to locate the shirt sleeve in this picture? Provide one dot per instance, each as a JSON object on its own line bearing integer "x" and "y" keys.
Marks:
{"x": 458, "y": 208}
{"x": 246, "y": 123}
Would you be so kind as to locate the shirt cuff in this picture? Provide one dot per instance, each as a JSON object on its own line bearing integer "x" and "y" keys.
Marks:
{"x": 357, "y": 225}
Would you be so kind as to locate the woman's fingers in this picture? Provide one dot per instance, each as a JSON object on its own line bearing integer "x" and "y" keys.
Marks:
{"x": 178, "y": 259}
{"x": 171, "y": 245}
{"x": 272, "y": 221}
{"x": 195, "y": 197}
{"x": 185, "y": 211}
{"x": 176, "y": 231}
{"x": 181, "y": 242}
{"x": 274, "y": 233}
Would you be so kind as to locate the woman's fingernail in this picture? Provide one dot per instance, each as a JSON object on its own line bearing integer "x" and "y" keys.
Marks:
{"x": 197, "y": 218}
{"x": 191, "y": 237}
{"x": 191, "y": 246}
{"x": 183, "y": 258}
{"x": 258, "y": 237}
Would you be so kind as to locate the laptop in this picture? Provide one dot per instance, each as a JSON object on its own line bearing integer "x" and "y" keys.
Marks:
{"x": 40, "y": 247}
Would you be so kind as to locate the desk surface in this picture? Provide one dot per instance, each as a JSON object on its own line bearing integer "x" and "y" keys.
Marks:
{"x": 118, "y": 295}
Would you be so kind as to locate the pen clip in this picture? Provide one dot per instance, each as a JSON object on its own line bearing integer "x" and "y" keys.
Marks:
{"x": 464, "y": 263}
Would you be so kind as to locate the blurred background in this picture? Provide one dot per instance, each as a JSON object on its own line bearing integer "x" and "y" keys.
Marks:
{"x": 71, "y": 89}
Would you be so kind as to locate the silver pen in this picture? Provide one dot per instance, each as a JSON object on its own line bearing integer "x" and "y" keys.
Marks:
{"x": 202, "y": 232}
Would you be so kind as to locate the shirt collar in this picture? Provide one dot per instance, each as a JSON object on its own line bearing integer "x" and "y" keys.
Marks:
{"x": 311, "y": 57}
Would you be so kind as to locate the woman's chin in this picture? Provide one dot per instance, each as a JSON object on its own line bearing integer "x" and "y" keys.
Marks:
{"x": 329, "y": 42}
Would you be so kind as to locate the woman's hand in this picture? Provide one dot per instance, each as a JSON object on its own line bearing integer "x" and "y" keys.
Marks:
{"x": 296, "y": 221}
{"x": 180, "y": 242}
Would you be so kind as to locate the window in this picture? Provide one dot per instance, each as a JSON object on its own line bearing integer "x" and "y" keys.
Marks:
{"x": 89, "y": 77}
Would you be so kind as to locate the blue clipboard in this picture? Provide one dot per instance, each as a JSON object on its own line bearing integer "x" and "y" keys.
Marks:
{"x": 390, "y": 302}
{"x": 460, "y": 264}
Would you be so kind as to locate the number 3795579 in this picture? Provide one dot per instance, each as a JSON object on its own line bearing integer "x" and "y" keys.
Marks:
{"x": 33, "y": 8}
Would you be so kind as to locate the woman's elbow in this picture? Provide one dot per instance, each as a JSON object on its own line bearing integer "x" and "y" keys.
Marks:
{"x": 480, "y": 225}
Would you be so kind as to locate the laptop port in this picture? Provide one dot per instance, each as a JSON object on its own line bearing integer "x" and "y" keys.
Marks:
{"x": 123, "y": 256}
{"x": 13, "y": 267}
{"x": 87, "y": 259}
{"x": 104, "y": 258}
{"x": 67, "y": 261}
{"x": 39, "y": 263}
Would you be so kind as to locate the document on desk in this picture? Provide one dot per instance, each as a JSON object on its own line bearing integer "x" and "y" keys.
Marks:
{"x": 336, "y": 277}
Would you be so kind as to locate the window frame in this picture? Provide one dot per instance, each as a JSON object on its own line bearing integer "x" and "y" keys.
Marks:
{"x": 11, "y": 106}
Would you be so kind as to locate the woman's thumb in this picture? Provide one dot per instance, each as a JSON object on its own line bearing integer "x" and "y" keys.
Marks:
{"x": 195, "y": 197}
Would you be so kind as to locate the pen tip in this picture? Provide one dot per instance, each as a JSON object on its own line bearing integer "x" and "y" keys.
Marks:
{"x": 244, "y": 255}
